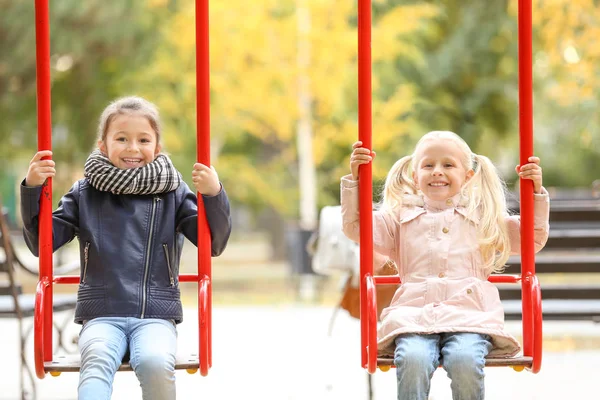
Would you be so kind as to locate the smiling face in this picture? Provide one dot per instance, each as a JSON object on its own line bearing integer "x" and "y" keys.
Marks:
{"x": 130, "y": 141}
{"x": 439, "y": 172}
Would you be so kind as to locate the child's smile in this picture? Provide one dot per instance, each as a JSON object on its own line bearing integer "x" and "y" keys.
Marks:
{"x": 132, "y": 162}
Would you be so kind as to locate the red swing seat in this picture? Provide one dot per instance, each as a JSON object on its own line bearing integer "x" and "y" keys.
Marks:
{"x": 518, "y": 363}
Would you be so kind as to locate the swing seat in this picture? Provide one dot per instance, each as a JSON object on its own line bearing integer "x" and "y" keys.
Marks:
{"x": 521, "y": 361}
{"x": 57, "y": 364}
{"x": 72, "y": 363}
{"x": 532, "y": 299}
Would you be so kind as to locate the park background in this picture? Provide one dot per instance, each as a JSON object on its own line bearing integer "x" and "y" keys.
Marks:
{"x": 284, "y": 112}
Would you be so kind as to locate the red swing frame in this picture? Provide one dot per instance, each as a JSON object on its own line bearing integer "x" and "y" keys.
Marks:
{"x": 44, "y": 361}
{"x": 530, "y": 287}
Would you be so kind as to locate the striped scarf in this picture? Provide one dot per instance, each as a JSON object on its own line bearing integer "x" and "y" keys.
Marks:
{"x": 160, "y": 176}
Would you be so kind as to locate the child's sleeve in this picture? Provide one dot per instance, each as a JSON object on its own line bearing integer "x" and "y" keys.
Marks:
{"x": 65, "y": 219}
{"x": 541, "y": 212}
{"x": 384, "y": 228}
{"x": 217, "y": 213}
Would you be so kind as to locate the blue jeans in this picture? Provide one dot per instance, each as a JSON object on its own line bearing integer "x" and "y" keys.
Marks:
{"x": 152, "y": 345}
{"x": 461, "y": 354}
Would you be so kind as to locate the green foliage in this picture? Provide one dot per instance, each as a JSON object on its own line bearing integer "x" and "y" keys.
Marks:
{"x": 254, "y": 92}
{"x": 567, "y": 71}
{"x": 465, "y": 82}
{"x": 437, "y": 64}
{"x": 92, "y": 45}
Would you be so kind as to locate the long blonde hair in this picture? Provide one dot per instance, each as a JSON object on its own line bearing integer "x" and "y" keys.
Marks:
{"x": 485, "y": 192}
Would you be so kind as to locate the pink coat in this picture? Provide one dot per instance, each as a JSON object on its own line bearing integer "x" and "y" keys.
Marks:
{"x": 435, "y": 248}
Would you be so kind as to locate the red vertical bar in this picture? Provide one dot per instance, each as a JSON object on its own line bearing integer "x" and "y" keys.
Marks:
{"x": 365, "y": 171}
{"x": 526, "y": 151}
{"x": 42, "y": 54}
{"x": 203, "y": 156}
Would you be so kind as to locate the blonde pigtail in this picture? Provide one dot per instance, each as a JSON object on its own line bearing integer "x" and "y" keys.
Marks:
{"x": 398, "y": 183}
{"x": 486, "y": 191}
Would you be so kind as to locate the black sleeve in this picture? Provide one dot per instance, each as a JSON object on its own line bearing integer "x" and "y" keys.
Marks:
{"x": 217, "y": 214}
{"x": 65, "y": 219}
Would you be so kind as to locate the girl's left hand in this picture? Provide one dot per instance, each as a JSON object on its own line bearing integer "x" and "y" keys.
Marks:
{"x": 206, "y": 180}
{"x": 532, "y": 171}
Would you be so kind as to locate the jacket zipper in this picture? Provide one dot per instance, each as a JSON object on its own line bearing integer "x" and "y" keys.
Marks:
{"x": 86, "y": 258}
{"x": 171, "y": 279}
{"x": 147, "y": 262}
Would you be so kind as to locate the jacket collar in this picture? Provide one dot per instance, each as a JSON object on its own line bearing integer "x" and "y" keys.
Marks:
{"x": 417, "y": 204}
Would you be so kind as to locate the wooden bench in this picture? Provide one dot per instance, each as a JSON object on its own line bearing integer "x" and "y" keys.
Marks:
{"x": 572, "y": 250}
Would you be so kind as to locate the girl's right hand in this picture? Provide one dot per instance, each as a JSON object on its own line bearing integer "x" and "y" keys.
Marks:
{"x": 40, "y": 170}
{"x": 360, "y": 155}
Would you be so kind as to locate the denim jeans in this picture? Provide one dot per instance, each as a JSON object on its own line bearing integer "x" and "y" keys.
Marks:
{"x": 462, "y": 355}
{"x": 152, "y": 345}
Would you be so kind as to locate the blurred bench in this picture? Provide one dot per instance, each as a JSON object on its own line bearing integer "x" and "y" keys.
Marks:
{"x": 15, "y": 304}
{"x": 569, "y": 264}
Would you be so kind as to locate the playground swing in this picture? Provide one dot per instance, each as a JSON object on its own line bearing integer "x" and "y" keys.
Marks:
{"x": 45, "y": 361}
{"x": 530, "y": 287}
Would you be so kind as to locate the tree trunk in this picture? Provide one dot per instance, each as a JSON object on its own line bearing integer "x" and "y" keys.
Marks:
{"x": 306, "y": 163}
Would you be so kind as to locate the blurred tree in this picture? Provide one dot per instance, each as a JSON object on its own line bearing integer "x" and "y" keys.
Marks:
{"x": 567, "y": 63}
{"x": 92, "y": 43}
{"x": 254, "y": 75}
{"x": 465, "y": 82}
{"x": 566, "y": 72}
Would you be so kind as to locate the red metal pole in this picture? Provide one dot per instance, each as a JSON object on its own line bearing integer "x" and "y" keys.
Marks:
{"x": 39, "y": 347}
{"x": 44, "y": 116}
{"x": 536, "y": 299}
{"x": 365, "y": 171}
{"x": 203, "y": 156}
{"x": 526, "y": 151}
{"x": 371, "y": 295}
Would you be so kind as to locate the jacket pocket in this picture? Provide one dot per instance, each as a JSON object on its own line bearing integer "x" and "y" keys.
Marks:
{"x": 467, "y": 295}
{"x": 86, "y": 259}
{"x": 169, "y": 269}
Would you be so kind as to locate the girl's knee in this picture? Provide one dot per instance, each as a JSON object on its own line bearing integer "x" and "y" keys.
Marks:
{"x": 464, "y": 362}
{"x": 156, "y": 373}
{"x": 95, "y": 348}
{"x": 97, "y": 352}
{"x": 156, "y": 364}
{"x": 413, "y": 358}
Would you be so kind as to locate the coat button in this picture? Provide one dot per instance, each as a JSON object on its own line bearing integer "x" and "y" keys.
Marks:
{"x": 449, "y": 202}
{"x": 441, "y": 274}
{"x": 469, "y": 291}
{"x": 445, "y": 230}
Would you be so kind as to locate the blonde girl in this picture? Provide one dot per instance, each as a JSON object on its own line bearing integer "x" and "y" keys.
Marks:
{"x": 443, "y": 221}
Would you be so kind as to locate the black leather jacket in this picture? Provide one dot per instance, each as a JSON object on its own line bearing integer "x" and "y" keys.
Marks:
{"x": 130, "y": 245}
